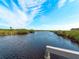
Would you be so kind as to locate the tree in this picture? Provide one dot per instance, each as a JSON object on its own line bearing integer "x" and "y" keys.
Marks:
{"x": 10, "y": 28}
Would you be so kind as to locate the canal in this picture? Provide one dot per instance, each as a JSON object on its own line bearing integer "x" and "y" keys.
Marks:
{"x": 33, "y": 45}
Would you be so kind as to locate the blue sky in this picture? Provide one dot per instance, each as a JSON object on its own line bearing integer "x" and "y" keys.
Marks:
{"x": 39, "y": 14}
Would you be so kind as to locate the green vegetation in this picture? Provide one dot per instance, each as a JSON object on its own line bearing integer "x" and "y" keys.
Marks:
{"x": 72, "y": 34}
{"x": 4, "y": 32}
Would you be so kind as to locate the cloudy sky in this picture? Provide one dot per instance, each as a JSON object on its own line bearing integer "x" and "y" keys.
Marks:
{"x": 39, "y": 14}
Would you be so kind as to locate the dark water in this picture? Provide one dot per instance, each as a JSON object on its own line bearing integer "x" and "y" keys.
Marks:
{"x": 32, "y": 46}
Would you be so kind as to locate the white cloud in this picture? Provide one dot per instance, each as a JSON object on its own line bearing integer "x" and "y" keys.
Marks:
{"x": 30, "y": 3}
{"x": 61, "y": 3}
{"x": 57, "y": 27}
{"x": 15, "y": 19}
{"x": 19, "y": 18}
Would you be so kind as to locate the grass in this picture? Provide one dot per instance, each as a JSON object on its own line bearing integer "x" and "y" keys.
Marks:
{"x": 72, "y": 34}
{"x": 4, "y": 32}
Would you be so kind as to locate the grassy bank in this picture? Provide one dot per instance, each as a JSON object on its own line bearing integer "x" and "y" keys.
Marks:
{"x": 72, "y": 34}
{"x": 4, "y": 32}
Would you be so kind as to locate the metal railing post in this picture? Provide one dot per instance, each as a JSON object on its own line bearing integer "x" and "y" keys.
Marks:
{"x": 47, "y": 55}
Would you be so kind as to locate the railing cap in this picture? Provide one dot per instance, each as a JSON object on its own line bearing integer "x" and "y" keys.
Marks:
{"x": 64, "y": 50}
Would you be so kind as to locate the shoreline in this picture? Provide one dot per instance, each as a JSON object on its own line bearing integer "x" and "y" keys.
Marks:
{"x": 7, "y": 32}
{"x": 66, "y": 35}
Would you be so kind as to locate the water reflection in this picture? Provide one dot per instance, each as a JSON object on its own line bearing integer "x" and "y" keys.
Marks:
{"x": 31, "y": 46}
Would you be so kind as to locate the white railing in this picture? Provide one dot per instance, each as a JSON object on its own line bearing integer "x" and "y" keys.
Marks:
{"x": 61, "y": 52}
